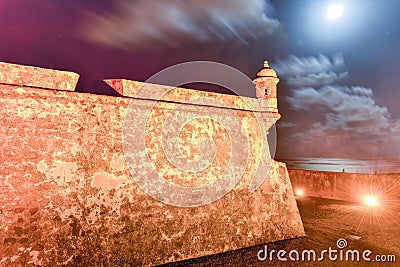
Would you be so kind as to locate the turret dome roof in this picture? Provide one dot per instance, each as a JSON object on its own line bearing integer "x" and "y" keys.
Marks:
{"x": 266, "y": 71}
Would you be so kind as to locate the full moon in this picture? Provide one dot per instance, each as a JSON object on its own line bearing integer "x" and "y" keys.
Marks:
{"x": 334, "y": 11}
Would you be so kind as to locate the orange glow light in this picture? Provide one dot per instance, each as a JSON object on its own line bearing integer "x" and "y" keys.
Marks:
{"x": 371, "y": 201}
{"x": 299, "y": 192}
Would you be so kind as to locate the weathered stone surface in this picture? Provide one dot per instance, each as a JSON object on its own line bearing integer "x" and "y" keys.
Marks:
{"x": 68, "y": 197}
{"x": 30, "y": 76}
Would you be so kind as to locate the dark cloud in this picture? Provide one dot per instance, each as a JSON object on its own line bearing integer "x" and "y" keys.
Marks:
{"x": 318, "y": 140}
{"x": 346, "y": 108}
{"x": 352, "y": 124}
{"x": 175, "y": 23}
{"x": 322, "y": 140}
{"x": 332, "y": 120}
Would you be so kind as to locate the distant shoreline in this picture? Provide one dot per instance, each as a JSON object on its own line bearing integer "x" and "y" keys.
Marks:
{"x": 394, "y": 173}
{"x": 339, "y": 165}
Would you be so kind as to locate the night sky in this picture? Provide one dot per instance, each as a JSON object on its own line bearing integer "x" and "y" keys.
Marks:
{"x": 338, "y": 61}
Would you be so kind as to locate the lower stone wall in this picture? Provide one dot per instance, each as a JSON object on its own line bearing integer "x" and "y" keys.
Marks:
{"x": 346, "y": 186}
{"x": 67, "y": 196}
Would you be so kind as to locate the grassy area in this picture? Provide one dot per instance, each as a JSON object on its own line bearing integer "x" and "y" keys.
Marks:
{"x": 325, "y": 222}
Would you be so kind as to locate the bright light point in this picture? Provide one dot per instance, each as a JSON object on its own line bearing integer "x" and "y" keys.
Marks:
{"x": 299, "y": 192}
{"x": 335, "y": 11}
{"x": 371, "y": 201}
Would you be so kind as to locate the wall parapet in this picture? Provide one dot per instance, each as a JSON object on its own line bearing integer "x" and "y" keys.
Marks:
{"x": 29, "y": 76}
{"x": 171, "y": 94}
{"x": 36, "y": 77}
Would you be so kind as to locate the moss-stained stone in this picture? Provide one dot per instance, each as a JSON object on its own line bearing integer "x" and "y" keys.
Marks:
{"x": 68, "y": 197}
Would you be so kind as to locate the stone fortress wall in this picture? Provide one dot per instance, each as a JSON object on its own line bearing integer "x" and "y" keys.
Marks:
{"x": 68, "y": 196}
{"x": 347, "y": 186}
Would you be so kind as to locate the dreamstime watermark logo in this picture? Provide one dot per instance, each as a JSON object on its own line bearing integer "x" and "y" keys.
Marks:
{"x": 149, "y": 128}
{"x": 332, "y": 254}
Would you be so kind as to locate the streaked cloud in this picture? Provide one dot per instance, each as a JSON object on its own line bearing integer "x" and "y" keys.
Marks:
{"x": 298, "y": 66}
{"x": 315, "y": 80}
{"x": 314, "y": 71}
{"x": 176, "y": 23}
{"x": 286, "y": 124}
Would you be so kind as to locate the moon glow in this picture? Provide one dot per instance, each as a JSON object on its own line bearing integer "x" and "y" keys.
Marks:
{"x": 334, "y": 11}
